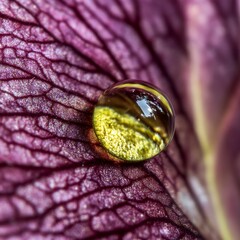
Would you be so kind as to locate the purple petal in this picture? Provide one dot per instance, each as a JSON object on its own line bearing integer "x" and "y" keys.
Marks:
{"x": 56, "y": 59}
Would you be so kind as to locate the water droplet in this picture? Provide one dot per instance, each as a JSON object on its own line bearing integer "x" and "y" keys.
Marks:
{"x": 133, "y": 120}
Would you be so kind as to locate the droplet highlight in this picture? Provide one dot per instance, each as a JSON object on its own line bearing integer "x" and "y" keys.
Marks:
{"x": 133, "y": 120}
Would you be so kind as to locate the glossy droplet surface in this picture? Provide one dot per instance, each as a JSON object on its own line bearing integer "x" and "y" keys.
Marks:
{"x": 133, "y": 120}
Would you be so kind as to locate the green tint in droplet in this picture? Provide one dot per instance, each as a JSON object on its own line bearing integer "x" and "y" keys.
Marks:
{"x": 133, "y": 121}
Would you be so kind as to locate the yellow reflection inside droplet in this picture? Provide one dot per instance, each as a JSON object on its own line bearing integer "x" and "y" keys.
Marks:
{"x": 125, "y": 137}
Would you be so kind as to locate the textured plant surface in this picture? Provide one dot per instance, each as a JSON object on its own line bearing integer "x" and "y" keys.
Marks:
{"x": 56, "y": 58}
